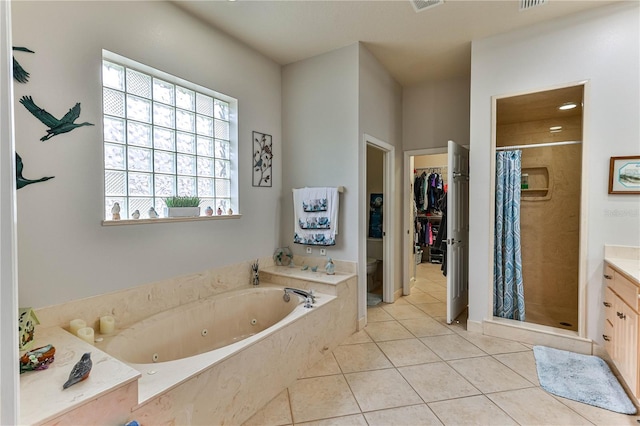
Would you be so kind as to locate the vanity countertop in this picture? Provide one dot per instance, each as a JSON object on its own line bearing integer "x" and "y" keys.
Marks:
{"x": 42, "y": 398}
{"x": 320, "y": 276}
{"x": 625, "y": 259}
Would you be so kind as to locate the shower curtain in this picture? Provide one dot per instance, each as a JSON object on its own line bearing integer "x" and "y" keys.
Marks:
{"x": 508, "y": 288}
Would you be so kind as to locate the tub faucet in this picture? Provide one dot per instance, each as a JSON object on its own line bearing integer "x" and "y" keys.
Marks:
{"x": 304, "y": 294}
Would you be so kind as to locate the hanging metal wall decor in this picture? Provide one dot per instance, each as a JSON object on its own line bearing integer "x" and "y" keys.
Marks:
{"x": 20, "y": 74}
{"x": 21, "y": 182}
{"x": 55, "y": 126}
{"x": 262, "y": 159}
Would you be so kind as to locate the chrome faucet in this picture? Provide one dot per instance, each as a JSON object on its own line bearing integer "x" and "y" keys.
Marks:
{"x": 308, "y": 296}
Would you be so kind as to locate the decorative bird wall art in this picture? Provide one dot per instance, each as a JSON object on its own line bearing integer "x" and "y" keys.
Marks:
{"x": 20, "y": 74}
{"x": 80, "y": 371}
{"x": 21, "y": 181}
{"x": 56, "y": 126}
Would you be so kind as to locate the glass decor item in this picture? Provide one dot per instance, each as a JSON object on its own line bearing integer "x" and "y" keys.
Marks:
{"x": 282, "y": 256}
{"x": 524, "y": 181}
{"x": 330, "y": 267}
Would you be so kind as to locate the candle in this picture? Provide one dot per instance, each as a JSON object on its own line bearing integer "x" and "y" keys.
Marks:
{"x": 107, "y": 324}
{"x": 75, "y": 325}
{"x": 86, "y": 334}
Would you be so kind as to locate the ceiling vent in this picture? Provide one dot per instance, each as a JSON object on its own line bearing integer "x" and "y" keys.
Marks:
{"x": 528, "y": 4}
{"x": 420, "y": 5}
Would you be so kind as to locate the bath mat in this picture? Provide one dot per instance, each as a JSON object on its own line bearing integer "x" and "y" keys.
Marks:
{"x": 582, "y": 378}
{"x": 373, "y": 299}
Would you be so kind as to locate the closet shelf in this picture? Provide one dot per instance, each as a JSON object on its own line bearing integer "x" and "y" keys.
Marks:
{"x": 534, "y": 189}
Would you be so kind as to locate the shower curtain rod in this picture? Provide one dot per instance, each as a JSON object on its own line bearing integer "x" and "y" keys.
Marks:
{"x": 537, "y": 145}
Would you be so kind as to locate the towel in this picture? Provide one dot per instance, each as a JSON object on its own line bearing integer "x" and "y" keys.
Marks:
{"x": 315, "y": 216}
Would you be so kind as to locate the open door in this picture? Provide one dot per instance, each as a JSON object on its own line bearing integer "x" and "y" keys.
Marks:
{"x": 457, "y": 231}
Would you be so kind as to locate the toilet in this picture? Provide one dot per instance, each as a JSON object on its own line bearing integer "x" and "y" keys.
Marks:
{"x": 372, "y": 266}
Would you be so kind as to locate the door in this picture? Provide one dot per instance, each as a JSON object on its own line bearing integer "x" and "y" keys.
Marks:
{"x": 457, "y": 231}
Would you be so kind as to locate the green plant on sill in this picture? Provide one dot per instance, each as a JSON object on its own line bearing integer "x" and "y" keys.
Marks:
{"x": 178, "y": 201}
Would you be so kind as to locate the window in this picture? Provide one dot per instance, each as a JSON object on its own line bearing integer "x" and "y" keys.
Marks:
{"x": 164, "y": 136}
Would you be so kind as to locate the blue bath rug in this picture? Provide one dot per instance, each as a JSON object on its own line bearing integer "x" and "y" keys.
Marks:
{"x": 582, "y": 378}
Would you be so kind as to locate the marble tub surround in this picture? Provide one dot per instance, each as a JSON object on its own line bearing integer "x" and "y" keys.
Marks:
{"x": 134, "y": 304}
{"x": 624, "y": 258}
{"x": 291, "y": 276}
{"x": 344, "y": 266}
{"x": 232, "y": 390}
{"x": 159, "y": 377}
{"x": 106, "y": 397}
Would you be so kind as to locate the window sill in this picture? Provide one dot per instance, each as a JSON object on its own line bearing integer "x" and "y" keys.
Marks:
{"x": 167, "y": 220}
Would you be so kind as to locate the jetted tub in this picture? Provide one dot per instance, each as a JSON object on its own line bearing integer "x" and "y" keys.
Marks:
{"x": 172, "y": 346}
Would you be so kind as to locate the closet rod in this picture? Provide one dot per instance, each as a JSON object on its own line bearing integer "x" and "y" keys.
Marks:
{"x": 431, "y": 168}
{"x": 537, "y": 145}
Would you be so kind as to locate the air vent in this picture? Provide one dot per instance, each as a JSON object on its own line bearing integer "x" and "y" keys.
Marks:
{"x": 420, "y": 5}
{"x": 528, "y": 4}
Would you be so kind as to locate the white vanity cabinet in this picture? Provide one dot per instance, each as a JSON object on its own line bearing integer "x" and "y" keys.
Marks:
{"x": 621, "y": 324}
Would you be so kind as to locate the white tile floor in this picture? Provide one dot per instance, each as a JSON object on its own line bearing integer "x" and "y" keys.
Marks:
{"x": 408, "y": 367}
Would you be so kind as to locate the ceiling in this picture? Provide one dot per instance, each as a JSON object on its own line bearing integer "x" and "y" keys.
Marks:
{"x": 540, "y": 106}
{"x": 413, "y": 46}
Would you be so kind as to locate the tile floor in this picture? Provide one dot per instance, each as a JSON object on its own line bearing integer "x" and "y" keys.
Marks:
{"x": 408, "y": 367}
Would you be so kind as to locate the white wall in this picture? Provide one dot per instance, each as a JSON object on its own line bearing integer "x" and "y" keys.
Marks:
{"x": 320, "y": 140}
{"x": 600, "y": 46}
{"x": 435, "y": 112}
{"x": 64, "y": 252}
{"x": 380, "y": 116}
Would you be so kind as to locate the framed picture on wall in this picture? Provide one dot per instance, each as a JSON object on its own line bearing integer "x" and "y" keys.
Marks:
{"x": 624, "y": 175}
{"x": 375, "y": 216}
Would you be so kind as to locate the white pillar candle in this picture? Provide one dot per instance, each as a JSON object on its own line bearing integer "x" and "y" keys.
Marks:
{"x": 86, "y": 334}
{"x": 107, "y": 324}
{"x": 75, "y": 325}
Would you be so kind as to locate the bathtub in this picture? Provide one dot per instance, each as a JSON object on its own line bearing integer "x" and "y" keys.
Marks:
{"x": 174, "y": 346}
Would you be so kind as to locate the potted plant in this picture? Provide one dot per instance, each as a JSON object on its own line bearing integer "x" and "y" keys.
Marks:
{"x": 182, "y": 206}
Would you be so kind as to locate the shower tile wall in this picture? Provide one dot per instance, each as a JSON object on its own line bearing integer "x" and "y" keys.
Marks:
{"x": 550, "y": 227}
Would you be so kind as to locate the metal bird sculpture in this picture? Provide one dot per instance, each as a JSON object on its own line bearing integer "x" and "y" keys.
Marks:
{"x": 20, "y": 74}
{"x": 80, "y": 371}
{"x": 21, "y": 182}
{"x": 63, "y": 125}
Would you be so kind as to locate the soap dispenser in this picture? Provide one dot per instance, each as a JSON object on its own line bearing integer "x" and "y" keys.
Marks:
{"x": 330, "y": 267}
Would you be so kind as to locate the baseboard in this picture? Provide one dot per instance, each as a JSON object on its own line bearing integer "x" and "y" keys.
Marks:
{"x": 397, "y": 294}
{"x": 474, "y": 326}
{"x": 535, "y": 334}
{"x": 362, "y": 322}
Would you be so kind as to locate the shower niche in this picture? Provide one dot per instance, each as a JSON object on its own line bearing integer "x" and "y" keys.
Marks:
{"x": 537, "y": 185}
{"x": 550, "y": 141}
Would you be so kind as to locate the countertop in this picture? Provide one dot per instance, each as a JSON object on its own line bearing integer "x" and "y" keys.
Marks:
{"x": 625, "y": 259}
{"x": 41, "y": 395}
{"x": 320, "y": 276}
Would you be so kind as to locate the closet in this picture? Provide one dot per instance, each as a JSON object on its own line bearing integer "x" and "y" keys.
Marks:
{"x": 429, "y": 197}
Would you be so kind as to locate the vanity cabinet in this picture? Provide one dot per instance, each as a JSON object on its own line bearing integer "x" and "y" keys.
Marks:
{"x": 621, "y": 325}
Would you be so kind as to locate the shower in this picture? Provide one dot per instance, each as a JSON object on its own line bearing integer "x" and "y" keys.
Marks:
{"x": 549, "y": 139}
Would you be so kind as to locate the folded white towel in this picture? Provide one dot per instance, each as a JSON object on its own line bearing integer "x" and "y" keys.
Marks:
{"x": 316, "y": 216}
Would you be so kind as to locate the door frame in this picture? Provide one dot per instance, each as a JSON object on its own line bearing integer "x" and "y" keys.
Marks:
{"x": 388, "y": 223}
{"x": 9, "y": 376}
{"x": 407, "y": 222}
{"x": 584, "y": 208}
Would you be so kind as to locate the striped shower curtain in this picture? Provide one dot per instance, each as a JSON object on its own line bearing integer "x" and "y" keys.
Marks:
{"x": 508, "y": 288}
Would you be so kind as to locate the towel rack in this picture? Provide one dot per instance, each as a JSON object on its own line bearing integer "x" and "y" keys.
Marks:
{"x": 340, "y": 189}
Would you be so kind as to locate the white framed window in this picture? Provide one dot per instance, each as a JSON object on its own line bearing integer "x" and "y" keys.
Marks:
{"x": 165, "y": 136}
